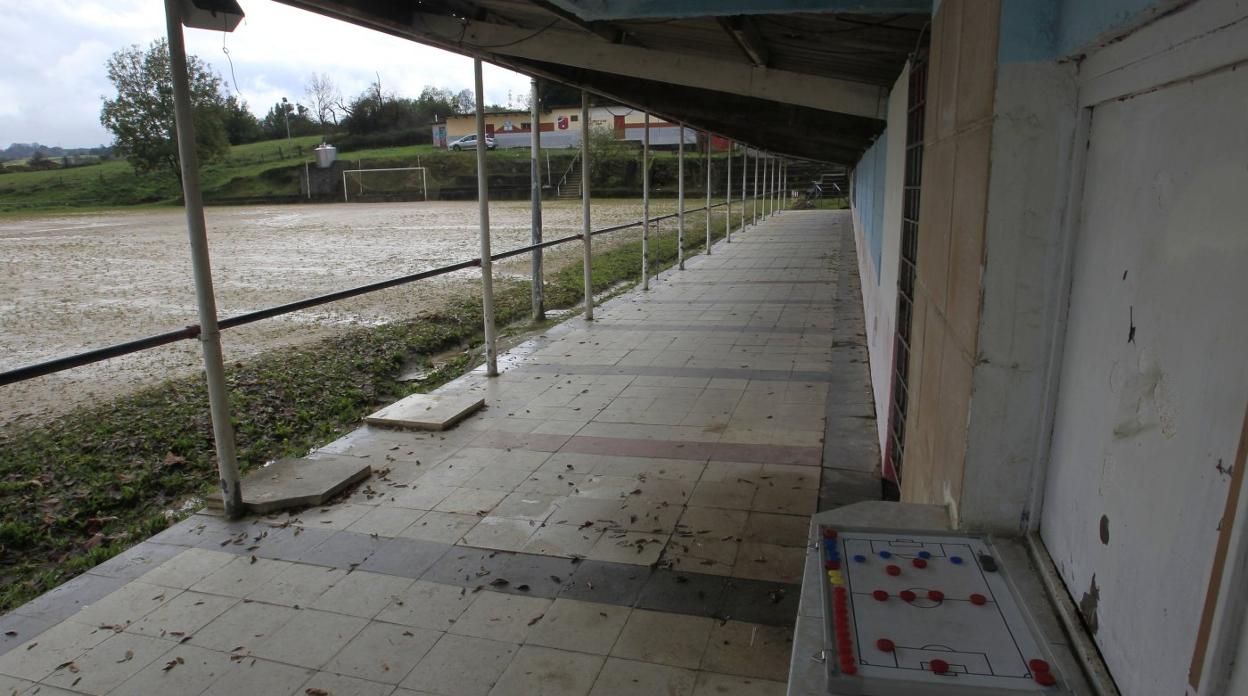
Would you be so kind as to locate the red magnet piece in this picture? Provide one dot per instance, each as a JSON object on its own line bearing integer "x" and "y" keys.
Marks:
{"x": 885, "y": 645}
{"x": 935, "y": 595}
{"x": 829, "y": 534}
{"x": 1045, "y": 679}
{"x": 893, "y": 570}
{"x": 907, "y": 595}
{"x": 1038, "y": 665}
{"x": 849, "y": 668}
{"x": 919, "y": 563}
{"x": 939, "y": 666}
{"x": 979, "y": 600}
{"x": 880, "y": 596}
{"x": 832, "y": 565}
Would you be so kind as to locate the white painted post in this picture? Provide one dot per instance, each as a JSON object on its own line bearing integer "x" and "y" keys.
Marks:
{"x": 483, "y": 212}
{"x": 754, "y": 198}
{"x": 585, "y": 231}
{"x": 201, "y": 269}
{"x": 645, "y": 205}
{"x": 535, "y": 201}
{"x": 766, "y": 182}
{"x": 745, "y": 168}
{"x": 708, "y": 193}
{"x": 785, "y": 198}
{"x": 680, "y": 199}
{"x": 728, "y": 198}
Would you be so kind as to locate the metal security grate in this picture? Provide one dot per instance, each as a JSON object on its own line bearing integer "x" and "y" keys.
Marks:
{"x": 895, "y": 447}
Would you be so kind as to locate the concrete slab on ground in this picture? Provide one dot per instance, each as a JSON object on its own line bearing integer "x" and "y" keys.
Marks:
{"x": 426, "y": 412}
{"x": 291, "y": 483}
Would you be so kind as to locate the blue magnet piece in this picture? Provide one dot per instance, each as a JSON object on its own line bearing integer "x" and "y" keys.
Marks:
{"x": 956, "y": 560}
{"x": 859, "y": 558}
{"x": 885, "y": 554}
{"x": 925, "y": 554}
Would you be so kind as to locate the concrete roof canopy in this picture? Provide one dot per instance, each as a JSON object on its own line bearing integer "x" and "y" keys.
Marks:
{"x": 805, "y": 78}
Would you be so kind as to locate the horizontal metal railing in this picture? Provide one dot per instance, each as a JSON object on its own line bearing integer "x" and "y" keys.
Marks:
{"x": 42, "y": 369}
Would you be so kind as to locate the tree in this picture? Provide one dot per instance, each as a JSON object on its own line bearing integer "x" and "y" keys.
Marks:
{"x": 241, "y": 126}
{"x": 323, "y": 95}
{"x": 273, "y": 125}
{"x": 141, "y": 116}
{"x": 465, "y": 102}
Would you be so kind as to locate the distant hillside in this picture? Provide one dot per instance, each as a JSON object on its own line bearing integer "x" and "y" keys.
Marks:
{"x": 25, "y": 150}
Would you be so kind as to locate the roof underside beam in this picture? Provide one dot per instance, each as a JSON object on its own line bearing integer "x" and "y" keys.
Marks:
{"x": 575, "y": 49}
{"x": 591, "y": 10}
{"x": 746, "y": 35}
{"x": 783, "y": 128}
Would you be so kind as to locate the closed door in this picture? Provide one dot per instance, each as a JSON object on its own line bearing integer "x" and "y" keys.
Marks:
{"x": 1154, "y": 371}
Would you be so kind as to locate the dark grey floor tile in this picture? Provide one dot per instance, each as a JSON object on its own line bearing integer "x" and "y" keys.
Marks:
{"x": 137, "y": 560}
{"x": 610, "y": 583}
{"x": 682, "y": 593}
{"x": 463, "y": 565}
{"x": 769, "y": 603}
{"x": 288, "y": 543}
{"x": 16, "y": 629}
{"x": 342, "y": 550}
{"x": 408, "y": 558}
{"x": 838, "y": 487}
{"x": 68, "y": 598}
{"x": 538, "y": 576}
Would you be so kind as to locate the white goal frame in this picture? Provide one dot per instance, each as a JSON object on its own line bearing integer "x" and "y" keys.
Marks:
{"x": 424, "y": 178}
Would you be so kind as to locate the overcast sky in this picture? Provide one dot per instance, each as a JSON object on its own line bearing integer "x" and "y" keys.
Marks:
{"x": 52, "y": 76}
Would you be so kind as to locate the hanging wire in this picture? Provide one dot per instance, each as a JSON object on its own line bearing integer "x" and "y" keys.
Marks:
{"x": 226, "y": 51}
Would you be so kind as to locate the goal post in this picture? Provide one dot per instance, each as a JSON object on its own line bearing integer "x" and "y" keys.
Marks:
{"x": 424, "y": 179}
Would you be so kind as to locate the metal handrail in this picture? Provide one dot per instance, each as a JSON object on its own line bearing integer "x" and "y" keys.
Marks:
{"x": 42, "y": 369}
{"x": 566, "y": 173}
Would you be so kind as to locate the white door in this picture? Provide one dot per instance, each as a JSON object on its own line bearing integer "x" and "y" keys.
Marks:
{"x": 1154, "y": 373}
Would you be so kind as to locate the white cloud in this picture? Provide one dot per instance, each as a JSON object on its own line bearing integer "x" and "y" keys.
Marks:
{"x": 53, "y": 77}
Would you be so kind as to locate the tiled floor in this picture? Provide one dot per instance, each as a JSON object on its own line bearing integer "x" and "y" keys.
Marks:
{"x": 626, "y": 516}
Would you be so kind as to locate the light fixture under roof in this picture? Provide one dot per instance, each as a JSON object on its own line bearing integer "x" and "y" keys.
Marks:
{"x": 216, "y": 15}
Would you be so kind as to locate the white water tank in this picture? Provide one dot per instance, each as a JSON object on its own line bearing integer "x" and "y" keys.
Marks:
{"x": 325, "y": 155}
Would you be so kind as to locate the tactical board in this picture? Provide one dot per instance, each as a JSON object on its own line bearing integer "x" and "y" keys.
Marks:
{"x": 921, "y": 614}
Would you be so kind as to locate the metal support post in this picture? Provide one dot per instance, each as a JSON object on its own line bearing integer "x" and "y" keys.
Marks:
{"x": 680, "y": 199}
{"x": 201, "y": 268}
{"x": 766, "y": 184}
{"x": 645, "y": 205}
{"x": 754, "y": 198}
{"x": 535, "y": 197}
{"x": 786, "y": 199}
{"x": 728, "y": 199}
{"x": 708, "y": 193}
{"x": 483, "y": 210}
{"x": 585, "y": 228}
{"x": 745, "y": 168}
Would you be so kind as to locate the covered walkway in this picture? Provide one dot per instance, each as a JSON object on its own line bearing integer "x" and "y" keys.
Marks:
{"x": 627, "y": 516}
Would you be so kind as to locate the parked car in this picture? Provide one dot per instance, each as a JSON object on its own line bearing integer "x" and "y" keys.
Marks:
{"x": 469, "y": 142}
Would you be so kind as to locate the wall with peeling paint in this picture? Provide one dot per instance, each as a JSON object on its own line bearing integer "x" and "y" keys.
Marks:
{"x": 879, "y": 277}
{"x": 1153, "y": 372}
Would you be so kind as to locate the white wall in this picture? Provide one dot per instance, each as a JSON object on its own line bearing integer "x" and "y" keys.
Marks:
{"x": 1154, "y": 377}
{"x": 879, "y": 293}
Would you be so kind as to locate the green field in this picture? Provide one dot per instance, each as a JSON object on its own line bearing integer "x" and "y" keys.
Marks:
{"x": 256, "y": 170}
{"x": 267, "y": 169}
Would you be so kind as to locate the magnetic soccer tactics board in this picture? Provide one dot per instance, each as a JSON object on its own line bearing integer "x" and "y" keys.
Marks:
{"x": 922, "y": 614}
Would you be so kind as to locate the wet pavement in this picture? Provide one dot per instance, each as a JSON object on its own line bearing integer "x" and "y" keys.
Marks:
{"x": 626, "y": 516}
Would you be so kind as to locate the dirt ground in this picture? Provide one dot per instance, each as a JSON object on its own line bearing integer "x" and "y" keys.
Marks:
{"x": 76, "y": 282}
